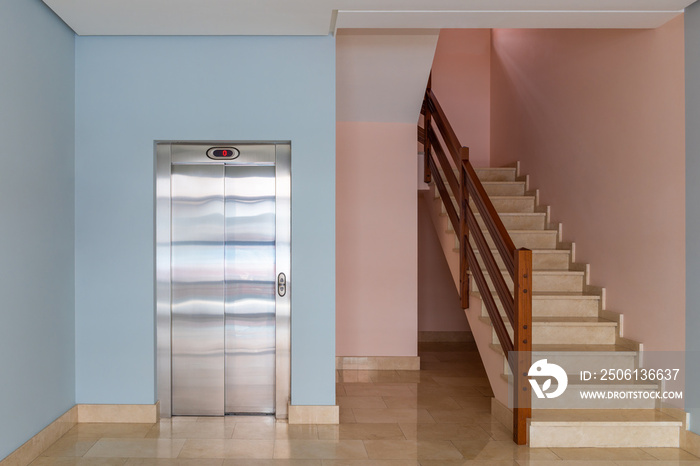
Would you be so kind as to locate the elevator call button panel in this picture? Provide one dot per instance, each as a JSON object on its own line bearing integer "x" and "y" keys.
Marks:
{"x": 223, "y": 153}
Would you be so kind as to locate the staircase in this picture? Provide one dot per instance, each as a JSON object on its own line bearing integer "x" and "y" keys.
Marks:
{"x": 570, "y": 326}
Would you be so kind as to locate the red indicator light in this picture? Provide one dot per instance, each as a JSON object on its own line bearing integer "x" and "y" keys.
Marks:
{"x": 229, "y": 153}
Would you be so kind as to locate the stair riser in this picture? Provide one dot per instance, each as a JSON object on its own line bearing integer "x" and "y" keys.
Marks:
{"x": 498, "y": 174}
{"x": 504, "y": 205}
{"x": 545, "y": 239}
{"x": 600, "y": 435}
{"x": 518, "y": 222}
{"x": 544, "y": 283}
{"x": 570, "y": 307}
{"x": 505, "y": 189}
{"x": 572, "y": 398}
{"x": 540, "y": 261}
{"x": 566, "y": 334}
{"x": 510, "y": 204}
{"x": 515, "y": 222}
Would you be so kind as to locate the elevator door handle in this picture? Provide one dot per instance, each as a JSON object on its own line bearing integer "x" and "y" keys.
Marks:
{"x": 281, "y": 284}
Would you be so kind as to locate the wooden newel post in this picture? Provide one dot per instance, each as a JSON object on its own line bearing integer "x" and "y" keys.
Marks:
{"x": 427, "y": 121}
{"x": 522, "y": 344}
{"x": 463, "y": 229}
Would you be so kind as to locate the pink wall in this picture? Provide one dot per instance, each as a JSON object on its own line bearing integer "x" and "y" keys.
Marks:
{"x": 439, "y": 307}
{"x": 376, "y": 245}
{"x": 597, "y": 119}
{"x": 462, "y": 83}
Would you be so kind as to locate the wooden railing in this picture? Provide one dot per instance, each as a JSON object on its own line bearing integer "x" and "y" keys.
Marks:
{"x": 463, "y": 188}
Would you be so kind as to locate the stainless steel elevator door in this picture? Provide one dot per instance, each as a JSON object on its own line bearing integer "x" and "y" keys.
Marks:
{"x": 223, "y": 289}
{"x": 197, "y": 255}
{"x": 250, "y": 284}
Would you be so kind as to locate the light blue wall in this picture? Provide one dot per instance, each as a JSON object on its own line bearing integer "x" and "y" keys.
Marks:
{"x": 37, "y": 370}
{"x": 692, "y": 218}
{"x": 131, "y": 91}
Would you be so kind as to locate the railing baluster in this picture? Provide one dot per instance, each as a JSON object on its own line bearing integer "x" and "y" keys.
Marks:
{"x": 464, "y": 228}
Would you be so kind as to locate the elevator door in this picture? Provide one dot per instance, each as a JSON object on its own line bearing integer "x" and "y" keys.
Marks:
{"x": 224, "y": 287}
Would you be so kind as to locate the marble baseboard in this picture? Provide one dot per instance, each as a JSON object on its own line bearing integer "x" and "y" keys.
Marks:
{"x": 445, "y": 337}
{"x": 314, "y": 414}
{"x": 378, "y": 363}
{"x": 147, "y": 414}
{"x": 33, "y": 447}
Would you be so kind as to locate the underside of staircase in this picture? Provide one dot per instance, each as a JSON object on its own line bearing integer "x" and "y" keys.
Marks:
{"x": 569, "y": 317}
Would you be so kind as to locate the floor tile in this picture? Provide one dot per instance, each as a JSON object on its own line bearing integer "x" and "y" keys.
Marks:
{"x": 370, "y": 463}
{"x": 459, "y": 415}
{"x": 252, "y": 431}
{"x": 347, "y": 416}
{"x": 501, "y": 450}
{"x": 361, "y": 402}
{"x": 392, "y": 415}
{"x": 468, "y": 463}
{"x": 410, "y": 449}
{"x": 356, "y": 431}
{"x": 415, "y": 401}
{"x": 451, "y": 431}
{"x": 601, "y": 454}
{"x": 174, "y": 462}
{"x": 570, "y": 463}
{"x": 191, "y": 430}
{"x": 380, "y": 389}
{"x": 296, "y": 432}
{"x": 670, "y": 454}
{"x": 657, "y": 463}
{"x": 72, "y": 446}
{"x": 272, "y": 462}
{"x": 320, "y": 449}
{"x": 231, "y": 448}
{"x": 136, "y": 448}
{"x": 76, "y": 461}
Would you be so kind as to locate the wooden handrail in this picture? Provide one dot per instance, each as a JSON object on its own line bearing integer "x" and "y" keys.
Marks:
{"x": 466, "y": 188}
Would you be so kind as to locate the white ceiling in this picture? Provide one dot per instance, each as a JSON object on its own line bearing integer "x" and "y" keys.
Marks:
{"x": 319, "y": 17}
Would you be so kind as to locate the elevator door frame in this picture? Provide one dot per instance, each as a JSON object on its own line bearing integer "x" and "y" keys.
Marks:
{"x": 185, "y": 151}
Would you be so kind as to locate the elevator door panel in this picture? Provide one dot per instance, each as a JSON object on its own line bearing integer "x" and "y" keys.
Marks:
{"x": 250, "y": 289}
{"x": 197, "y": 276}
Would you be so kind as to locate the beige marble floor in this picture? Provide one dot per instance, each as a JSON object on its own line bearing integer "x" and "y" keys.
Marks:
{"x": 436, "y": 417}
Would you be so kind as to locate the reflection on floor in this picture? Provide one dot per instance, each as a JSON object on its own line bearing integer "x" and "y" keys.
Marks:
{"x": 438, "y": 416}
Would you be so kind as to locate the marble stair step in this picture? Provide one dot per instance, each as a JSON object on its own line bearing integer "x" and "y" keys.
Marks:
{"x": 502, "y": 204}
{"x": 495, "y": 174}
{"x": 542, "y": 281}
{"x": 530, "y": 239}
{"x": 542, "y": 259}
{"x": 585, "y": 428}
{"x": 560, "y": 331}
{"x": 504, "y": 188}
{"x": 580, "y": 357}
{"x": 557, "y": 305}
